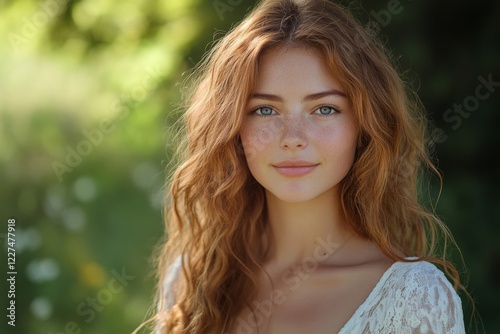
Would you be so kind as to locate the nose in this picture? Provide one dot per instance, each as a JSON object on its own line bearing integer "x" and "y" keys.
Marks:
{"x": 293, "y": 134}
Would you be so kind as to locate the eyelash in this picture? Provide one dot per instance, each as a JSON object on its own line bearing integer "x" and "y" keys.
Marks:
{"x": 335, "y": 108}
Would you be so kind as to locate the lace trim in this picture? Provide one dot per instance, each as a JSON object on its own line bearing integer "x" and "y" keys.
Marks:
{"x": 410, "y": 297}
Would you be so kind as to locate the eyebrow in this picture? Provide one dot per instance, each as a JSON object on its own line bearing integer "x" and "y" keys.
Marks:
{"x": 311, "y": 97}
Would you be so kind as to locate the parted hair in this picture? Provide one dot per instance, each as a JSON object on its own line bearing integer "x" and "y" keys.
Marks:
{"x": 215, "y": 209}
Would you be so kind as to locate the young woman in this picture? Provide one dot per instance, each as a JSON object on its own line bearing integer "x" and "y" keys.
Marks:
{"x": 295, "y": 208}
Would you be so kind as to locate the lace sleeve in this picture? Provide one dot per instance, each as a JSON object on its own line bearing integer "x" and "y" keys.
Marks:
{"x": 410, "y": 298}
{"x": 169, "y": 286}
{"x": 427, "y": 303}
{"x": 168, "y": 291}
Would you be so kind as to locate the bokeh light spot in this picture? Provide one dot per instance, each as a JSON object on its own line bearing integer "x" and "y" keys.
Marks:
{"x": 92, "y": 274}
{"x": 41, "y": 308}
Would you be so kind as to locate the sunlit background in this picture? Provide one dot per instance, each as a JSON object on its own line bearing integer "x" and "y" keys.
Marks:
{"x": 88, "y": 95}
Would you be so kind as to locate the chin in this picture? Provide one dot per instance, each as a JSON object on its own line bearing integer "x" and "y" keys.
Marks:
{"x": 292, "y": 196}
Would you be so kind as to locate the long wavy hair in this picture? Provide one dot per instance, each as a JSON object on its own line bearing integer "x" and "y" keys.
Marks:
{"x": 215, "y": 209}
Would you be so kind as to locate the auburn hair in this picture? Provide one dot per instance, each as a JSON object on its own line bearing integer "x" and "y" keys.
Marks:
{"x": 214, "y": 209}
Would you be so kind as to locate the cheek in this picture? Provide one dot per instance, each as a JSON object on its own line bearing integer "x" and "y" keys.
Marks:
{"x": 256, "y": 138}
{"x": 250, "y": 143}
{"x": 339, "y": 143}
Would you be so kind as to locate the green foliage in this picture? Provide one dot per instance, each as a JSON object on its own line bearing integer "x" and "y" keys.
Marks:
{"x": 89, "y": 91}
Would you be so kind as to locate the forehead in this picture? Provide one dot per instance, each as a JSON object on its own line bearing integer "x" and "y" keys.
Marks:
{"x": 294, "y": 68}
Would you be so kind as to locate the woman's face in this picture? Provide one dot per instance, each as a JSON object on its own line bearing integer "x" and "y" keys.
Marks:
{"x": 299, "y": 133}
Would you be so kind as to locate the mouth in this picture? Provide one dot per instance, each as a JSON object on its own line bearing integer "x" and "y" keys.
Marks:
{"x": 295, "y": 167}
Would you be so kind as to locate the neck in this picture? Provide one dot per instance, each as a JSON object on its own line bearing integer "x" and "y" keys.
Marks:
{"x": 296, "y": 231}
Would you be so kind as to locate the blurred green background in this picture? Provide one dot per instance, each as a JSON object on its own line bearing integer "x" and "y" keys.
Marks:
{"x": 89, "y": 90}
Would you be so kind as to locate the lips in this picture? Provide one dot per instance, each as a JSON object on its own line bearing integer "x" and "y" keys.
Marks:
{"x": 295, "y": 168}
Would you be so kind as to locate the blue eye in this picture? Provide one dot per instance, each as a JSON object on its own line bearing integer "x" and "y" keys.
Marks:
{"x": 264, "y": 111}
{"x": 325, "y": 110}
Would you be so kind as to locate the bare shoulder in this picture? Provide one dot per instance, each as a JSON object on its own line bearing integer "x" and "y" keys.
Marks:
{"x": 361, "y": 254}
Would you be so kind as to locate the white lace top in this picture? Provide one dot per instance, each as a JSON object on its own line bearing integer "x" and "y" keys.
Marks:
{"x": 410, "y": 298}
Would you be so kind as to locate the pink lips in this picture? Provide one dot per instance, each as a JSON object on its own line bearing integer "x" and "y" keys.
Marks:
{"x": 295, "y": 167}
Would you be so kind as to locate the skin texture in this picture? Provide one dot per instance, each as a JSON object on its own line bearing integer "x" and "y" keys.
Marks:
{"x": 321, "y": 293}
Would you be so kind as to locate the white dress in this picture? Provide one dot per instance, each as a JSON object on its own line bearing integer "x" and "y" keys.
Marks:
{"x": 410, "y": 298}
